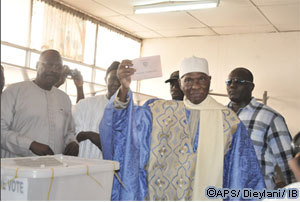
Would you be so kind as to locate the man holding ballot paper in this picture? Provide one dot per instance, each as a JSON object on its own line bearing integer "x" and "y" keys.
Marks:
{"x": 176, "y": 150}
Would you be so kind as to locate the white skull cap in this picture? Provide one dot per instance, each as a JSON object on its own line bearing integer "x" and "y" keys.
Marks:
{"x": 193, "y": 64}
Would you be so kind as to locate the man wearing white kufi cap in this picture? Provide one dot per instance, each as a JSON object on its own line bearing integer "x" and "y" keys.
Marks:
{"x": 174, "y": 150}
{"x": 193, "y": 64}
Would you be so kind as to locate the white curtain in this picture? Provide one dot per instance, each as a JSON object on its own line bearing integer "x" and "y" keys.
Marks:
{"x": 61, "y": 31}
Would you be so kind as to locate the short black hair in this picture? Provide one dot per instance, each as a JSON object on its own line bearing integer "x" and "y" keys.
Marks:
{"x": 246, "y": 72}
{"x": 113, "y": 66}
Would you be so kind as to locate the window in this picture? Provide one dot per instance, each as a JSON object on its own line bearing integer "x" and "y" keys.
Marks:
{"x": 13, "y": 55}
{"x": 100, "y": 75}
{"x": 34, "y": 57}
{"x": 54, "y": 26}
{"x": 15, "y": 74}
{"x": 15, "y": 18}
{"x": 112, "y": 46}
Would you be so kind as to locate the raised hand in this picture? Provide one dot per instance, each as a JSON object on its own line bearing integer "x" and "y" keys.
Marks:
{"x": 124, "y": 74}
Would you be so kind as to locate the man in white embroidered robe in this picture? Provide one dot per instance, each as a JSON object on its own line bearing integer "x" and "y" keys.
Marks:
{"x": 173, "y": 150}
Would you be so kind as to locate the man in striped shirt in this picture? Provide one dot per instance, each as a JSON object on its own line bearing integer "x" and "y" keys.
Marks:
{"x": 266, "y": 127}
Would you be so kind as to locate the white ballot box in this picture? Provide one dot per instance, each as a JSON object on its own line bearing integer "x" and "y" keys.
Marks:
{"x": 56, "y": 177}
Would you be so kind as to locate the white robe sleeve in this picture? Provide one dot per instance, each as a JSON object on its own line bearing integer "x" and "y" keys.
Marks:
{"x": 11, "y": 140}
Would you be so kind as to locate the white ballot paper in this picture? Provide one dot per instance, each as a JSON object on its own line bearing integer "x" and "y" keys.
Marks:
{"x": 146, "y": 68}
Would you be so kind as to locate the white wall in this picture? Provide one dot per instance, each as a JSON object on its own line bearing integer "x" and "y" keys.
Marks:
{"x": 274, "y": 60}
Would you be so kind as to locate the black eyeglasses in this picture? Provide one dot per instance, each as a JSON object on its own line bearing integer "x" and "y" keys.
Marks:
{"x": 237, "y": 81}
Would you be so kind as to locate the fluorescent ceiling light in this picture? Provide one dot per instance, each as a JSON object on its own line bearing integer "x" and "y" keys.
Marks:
{"x": 156, "y": 6}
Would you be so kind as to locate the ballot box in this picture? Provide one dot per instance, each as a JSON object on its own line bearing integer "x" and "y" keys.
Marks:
{"x": 56, "y": 177}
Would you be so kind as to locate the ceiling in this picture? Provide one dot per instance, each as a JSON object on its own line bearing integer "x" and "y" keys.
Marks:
{"x": 231, "y": 17}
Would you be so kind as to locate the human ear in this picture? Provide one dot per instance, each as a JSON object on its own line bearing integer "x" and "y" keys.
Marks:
{"x": 252, "y": 87}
